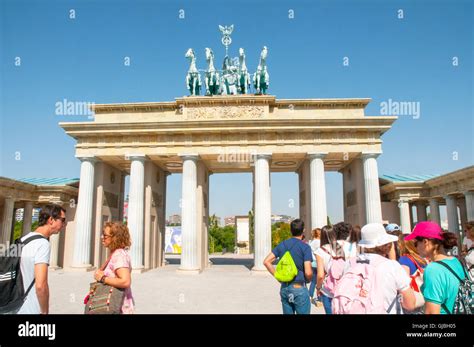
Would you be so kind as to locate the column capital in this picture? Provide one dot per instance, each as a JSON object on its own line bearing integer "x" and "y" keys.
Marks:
{"x": 87, "y": 157}
{"x": 468, "y": 192}
{"x": 316, "y": 155}
{"x": 267, "y": 155}
{"x": 366, "y": 155}
{"x": 135, "y": 156}
{"x": 449, "y": 197}
{"x": 189, "y": 156}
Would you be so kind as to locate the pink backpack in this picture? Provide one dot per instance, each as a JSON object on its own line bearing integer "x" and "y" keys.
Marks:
{"x": 336, "y": 269}
{"x": 358, "y": 291}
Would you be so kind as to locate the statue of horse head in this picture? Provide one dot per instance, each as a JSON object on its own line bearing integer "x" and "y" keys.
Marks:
{"x": 243, "y": 66}
{"x": 192, "y": 57}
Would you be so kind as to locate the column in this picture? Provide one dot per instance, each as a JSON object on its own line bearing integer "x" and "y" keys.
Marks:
{"x": 434, "y": 211}
{"x": 27, "y": 217}
{"x": 469, "y": 205}
{"x": 462, "y": 211}
{"x": 83, "y": 232}
{"x": 54, "y": 244}
{"x": 420, "y": 211}
{"x": 162, "y": 260}
{"x": 318, "y": 190}
{"x": 263, "y": 227}
{"x": 136, "y": 209}
{"x": 7, "y": 221}
{"x": 189, "y": 250}
{"x": 405, "y": 223}
{"x": 373, "y": 205}
{"x": 410, "y": 206}
{"x": 452, "y": 211}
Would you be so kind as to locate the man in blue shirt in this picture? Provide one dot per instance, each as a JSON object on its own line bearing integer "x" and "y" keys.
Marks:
{"x": 294, "y": 295}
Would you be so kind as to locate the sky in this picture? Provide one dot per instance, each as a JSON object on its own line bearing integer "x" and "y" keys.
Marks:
{"x": 403, "y": 51}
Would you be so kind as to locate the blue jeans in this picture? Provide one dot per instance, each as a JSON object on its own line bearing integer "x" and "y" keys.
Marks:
{"x": 326, "y": 303}
{"x": 312, "y": 286}
{"x": 295, "y": 300}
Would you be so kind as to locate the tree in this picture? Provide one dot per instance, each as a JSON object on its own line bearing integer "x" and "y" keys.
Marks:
{"x": 18, "y": 229}
{"x": 251, "y": 231}
{"x": 280, "y": 231}
{"x": 221, "y": 238}
{"x": 328, "y": 221}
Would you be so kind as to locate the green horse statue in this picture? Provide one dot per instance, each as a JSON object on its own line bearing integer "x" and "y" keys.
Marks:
{"x": 193, "y": 78}
{"x": 261, "y": 78}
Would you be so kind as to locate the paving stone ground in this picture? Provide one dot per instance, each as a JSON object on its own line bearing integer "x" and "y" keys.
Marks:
{"x": 227, "y": 287}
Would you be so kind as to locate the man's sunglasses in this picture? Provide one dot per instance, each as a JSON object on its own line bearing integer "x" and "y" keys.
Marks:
{"x": 63, "y": 220}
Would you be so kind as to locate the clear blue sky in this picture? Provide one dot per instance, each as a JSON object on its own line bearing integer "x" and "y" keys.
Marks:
{"x": 406, "y": 59}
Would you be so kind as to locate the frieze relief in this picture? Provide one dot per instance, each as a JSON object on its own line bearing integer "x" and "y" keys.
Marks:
{"x": 226, "y": 112}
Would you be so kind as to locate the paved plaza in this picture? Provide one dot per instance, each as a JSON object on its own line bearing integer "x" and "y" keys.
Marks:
{"x": 227, "y": 287}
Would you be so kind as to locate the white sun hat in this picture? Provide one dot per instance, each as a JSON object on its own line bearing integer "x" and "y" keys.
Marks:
{"x": 374, "y": 235}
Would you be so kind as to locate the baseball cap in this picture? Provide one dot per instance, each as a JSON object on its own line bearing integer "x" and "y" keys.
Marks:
{"x": 427, "y": 230}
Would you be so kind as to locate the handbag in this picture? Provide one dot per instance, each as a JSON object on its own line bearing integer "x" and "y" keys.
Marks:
{"x": 103, "y": 298}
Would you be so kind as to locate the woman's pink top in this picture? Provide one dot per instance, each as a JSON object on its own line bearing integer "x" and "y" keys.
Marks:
{"x": 121, "y": 258}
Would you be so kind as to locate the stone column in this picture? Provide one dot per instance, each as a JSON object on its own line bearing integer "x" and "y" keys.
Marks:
{"x": 7, "y": 221}
{"x": 373, "y": 205}
{"x": 452, "y": 211}
{"x": 83, "y": 232}
{"x": 263, "y": 227}
{"x": 469, "y": 205}
{"x": 318, "y": 190}
{"x": 136, "y": 209}
{"x": 162, "y": 222}
{"x": 54, "y": 244}
{"x": 434, "y": 211}
{"x": 462, "y": 212}
{"x": 189, "y": 251}
{"x": 405, "y": 223}
{"x": 27, "y": 217}
{"x": 421, "y": 212}
{"x": 410, "y": 207}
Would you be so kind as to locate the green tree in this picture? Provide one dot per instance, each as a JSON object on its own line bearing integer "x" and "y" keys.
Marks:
{"x": 329, "y": 221}
{"x": 251, "y": 231}
{"x": 18, "y": 229}
{"x": 221, "y": 238}
{"x": 280, "y": 232}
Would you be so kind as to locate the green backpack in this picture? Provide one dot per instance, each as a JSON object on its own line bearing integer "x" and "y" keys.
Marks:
{"x": 286, "y": 269}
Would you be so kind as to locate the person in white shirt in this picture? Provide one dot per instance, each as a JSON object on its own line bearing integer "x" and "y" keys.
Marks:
{"x": 377, "y": 243}
{"x": 35, "y": 260}
{"x": 314, "y": 244}
{"x": 468, "y": 241}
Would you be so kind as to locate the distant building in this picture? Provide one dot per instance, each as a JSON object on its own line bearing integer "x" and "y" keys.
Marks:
{"x": 174, "y": 219}
{"x": 19, "y": 215}
{"x": 281, "y": 218}
{"x": 36, "y": 212}
{"x": 242, "y": 234}
{"x": 229, "y": 221}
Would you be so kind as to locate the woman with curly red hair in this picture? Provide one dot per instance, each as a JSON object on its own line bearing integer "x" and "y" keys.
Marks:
{"x": 116, "y": 272}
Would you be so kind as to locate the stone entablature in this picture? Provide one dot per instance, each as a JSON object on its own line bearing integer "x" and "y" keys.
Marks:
{"x": 453, "y": 183}
{"x": 21, "y": 191}
{"x": 288, "y": 128}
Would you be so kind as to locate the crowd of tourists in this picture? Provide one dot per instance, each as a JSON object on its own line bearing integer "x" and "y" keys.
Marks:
{"x": 378, "y": 269}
